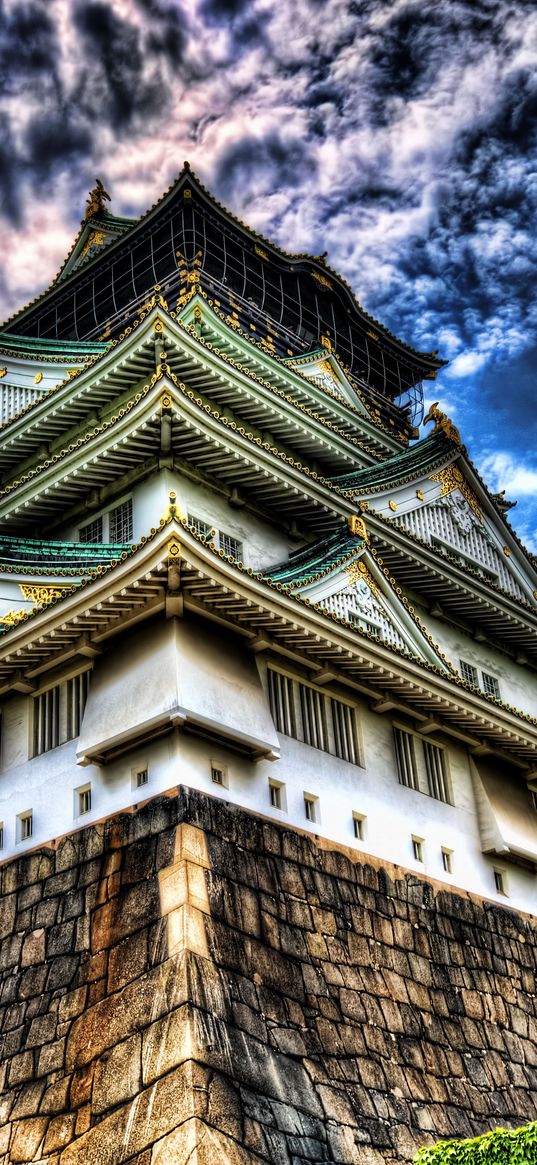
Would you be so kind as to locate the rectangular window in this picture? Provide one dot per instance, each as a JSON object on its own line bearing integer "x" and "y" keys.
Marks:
{"x": 405, "y": 755}
{"x": 499, "y": 882}
{"x": 1, "y": 835}
{"x": 312, "y": 707}
{"x": 142, "y": 777}
{"x": 310, "y": 807}
{"x": 301, "y": 711}
{"x": 435, "y": 768}
{"x": 201, "y": 528}
{"x": 275, "y": 792}
{"x": 447, "y": 860}
{"x": 83, "y": 800}
{"x": 469, "y": 673}
{"x": 344, "y": 723}
{"x": 25, "y": 825}
{"x": 417, "y": 848}
{"x": 230, "y": 545}
{"x": 490, "y": 685}
{"x": 282, "y": 706}
{"x": 358, "y": 821}
{"x": 57, "y": 713}
{"x": 219, "y": 775}
{"x": 120, "y": 523}
{"x": 92, "y": 532}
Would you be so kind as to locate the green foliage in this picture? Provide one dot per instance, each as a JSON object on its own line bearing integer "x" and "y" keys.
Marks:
{"x": 502, "y": 1147}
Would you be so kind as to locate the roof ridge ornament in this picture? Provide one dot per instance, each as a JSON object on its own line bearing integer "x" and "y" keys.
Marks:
{"x": 96, "y": 200}
{"x": 442, "y": 424}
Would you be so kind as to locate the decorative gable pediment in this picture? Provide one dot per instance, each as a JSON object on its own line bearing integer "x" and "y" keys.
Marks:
{"x": 323, "y": 369}
{"x": 366, "y": 598}
{"x": 451, "y": 519}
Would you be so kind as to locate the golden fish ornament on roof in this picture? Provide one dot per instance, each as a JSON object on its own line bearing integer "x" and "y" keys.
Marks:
{"x": 96, "y": 200}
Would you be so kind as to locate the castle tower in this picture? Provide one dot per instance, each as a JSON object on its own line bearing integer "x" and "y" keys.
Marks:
{"x": 268, "y": 758}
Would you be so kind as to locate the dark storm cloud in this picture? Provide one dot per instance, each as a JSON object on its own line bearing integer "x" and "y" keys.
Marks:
{"x": 28, "y": 44}
{"x": 255, "y": 166}
{"x": 114, "y": 83}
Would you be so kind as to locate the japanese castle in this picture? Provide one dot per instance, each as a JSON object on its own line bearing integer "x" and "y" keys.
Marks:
{"x": 228, "y": 561}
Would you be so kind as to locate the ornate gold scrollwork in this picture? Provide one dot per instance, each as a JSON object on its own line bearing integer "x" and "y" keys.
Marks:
{"x": 449, "y": 479}
{"x": 357, "y": 526}
{"x": 358, "y": 572}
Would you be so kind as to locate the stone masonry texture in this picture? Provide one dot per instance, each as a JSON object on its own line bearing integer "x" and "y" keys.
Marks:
{"x": 192, "y": 984}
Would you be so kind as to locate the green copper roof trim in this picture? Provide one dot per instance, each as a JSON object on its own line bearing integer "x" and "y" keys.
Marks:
{"x": 313, "y": 561}
{"x": 40, "y": 346}
{"x": 27, "y": 551}
{"x": 413, "y": 462}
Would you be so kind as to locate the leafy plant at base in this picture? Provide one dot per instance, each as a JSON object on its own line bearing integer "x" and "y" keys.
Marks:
{"x": 501, "y": 1147}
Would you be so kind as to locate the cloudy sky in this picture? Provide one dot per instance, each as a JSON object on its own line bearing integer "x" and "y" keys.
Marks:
{"x": 397, "y": 135}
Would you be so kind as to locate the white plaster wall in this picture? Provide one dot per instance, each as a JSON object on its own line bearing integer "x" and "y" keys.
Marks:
{"x": 393, "y": 813}
{"x": 264, "y": 545}
{"x": 518, "y": 685}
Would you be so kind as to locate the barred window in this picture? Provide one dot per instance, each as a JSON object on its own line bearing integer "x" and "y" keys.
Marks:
{"x": 469, "y": 673}
{"x": 57, "y": 713}
{"x": 92, "y": 532}
{"x": 303, "y": 712}
{"x": 405, "y": 755}
{"x": 422, "y": 765}
{"x": 202, "y": 529}
{"x": 490, "y": 685}
{"x": 282, "y": 706}
{"x": 435, "y": 768}
{"x": 229, "y": 544}
{"x": 120, "y": 522}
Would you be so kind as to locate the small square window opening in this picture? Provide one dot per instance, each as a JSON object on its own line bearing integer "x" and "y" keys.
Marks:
{"x": 25, "y": 823}
{"x": 142, "y": 777}
{"x": 310, "y": 807}
{"x": 358, "y": 821}
{"x": 219, "y": 774}
{"x": 490, "y": 685}
{"x": 499, "y": 882}
{"x": 469, "y": 673}
{"x": 417, "y": 848}
{"x": 84, "y": 800}
{"x": 275, "y": 793}
{"x": 230, "y": 545}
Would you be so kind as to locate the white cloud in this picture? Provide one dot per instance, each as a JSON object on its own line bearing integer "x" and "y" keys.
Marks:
{"x": 502, "y": 471}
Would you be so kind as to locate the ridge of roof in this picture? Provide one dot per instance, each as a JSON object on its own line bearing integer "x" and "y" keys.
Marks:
{"x": 412, "y": 461}
{"x": 42, "y": 556}
{"x": 55, "y": 351}
{"x": 312, "y": 562}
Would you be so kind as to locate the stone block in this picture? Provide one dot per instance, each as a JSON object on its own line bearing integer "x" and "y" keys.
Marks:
{"x": 129, "y": 1130}
{"x": 60, "y": 1131}
{"x": 126, "y": 1012}
{"x": 27, "y": 1137}
{"x": 8, "y": 911}
{"x": 128, "y": 960}
{"x": 21, "y": 1069}
{"x": 118, "y": 1075}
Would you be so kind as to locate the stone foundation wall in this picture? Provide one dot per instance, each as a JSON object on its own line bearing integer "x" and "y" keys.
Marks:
{"x": 190, "y": 983}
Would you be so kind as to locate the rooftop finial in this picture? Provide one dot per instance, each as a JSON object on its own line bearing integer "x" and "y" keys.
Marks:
{"x": 96, "y": 200}
{"x": 442, "y": 424}
{"x": 186, "y": 165}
